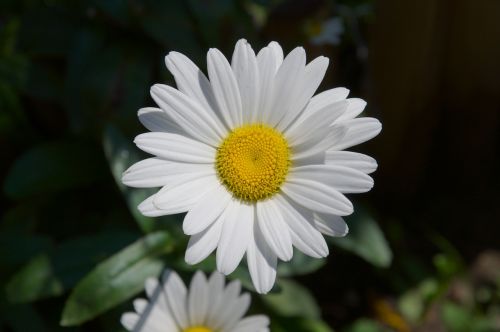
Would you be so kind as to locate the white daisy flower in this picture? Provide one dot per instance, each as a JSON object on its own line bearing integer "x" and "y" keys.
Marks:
{"x": 253, "y": 158}
{"x": 208, "y": 306}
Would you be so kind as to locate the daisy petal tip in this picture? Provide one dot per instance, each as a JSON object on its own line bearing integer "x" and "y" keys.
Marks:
{"x": 199, "y": 274}
{"x": 371, "y": 182}
{"x": 154, "y": 90}
{"x": 190, "y": 259}
{"x": 189, "y": 228}
{"x": 345, "y": 90}
{"x": 125, "y": 177}
{"x": 225, "y": 270}
{"x": 242, "y": 40}
{"x": 348, "y": 209}
{"x": 129, "y": 320}
{"x": 212, "y": 51}
{"x": 324, "y": 60}
{"x": 288, "y": 255}
{"x": 377, "y": 126}
{"x": 264, "y": 289}
{"x": 137, "y": 138}
{"x": 172, "y": 54}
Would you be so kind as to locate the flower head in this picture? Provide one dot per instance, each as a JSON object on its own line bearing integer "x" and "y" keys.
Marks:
{"x": 253, "y": 157}
{"x": 207, "y": 306}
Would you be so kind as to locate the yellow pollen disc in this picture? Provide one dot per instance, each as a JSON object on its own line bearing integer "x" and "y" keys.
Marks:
{"x": 253, "y": 161}
{"x": 198, "y": 329}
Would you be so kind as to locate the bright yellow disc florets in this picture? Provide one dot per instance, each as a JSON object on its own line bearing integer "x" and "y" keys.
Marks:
{"x": 198, "y": 329}
{"x": 253, "y": 161}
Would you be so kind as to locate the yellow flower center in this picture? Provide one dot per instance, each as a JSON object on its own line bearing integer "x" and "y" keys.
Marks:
{"x": 253, "y": 161}
{"x": 198, "y": 329}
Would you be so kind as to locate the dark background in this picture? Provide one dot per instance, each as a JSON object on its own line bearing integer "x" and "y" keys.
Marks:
{"x": 72, "y": 72}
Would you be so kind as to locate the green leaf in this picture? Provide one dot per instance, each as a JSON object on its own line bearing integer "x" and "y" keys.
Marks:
{"x": 48, "y": 275}
{"x": 299, "y": 325}
{"x": 300, "y": 264}
{"x": 455, "y": 317}
{"x": 294, "y": 300}
{"x": 36, "y": 280}
{"x": 117, "y": 279}
{"x": 366, "y": 325}
{"x": 365, "y": 239}
{"x": 52, "y": 167}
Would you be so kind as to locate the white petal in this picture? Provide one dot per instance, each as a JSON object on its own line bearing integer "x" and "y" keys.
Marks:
{"x": 244, "y": 65}
{"x": 268, "y": 66}
{"x": 176, "y": 294}
{"x": 231, "y": 292}
{"x": 154, "y": 291}
{"x": 204, "y": 243}
{"x": 262, "y": 262}
{"x": 228, "y": 297}
{"x": 209, "y": 208}
{"x": 147, "y": 173}
{"x": 359, "y": 130}
{"x": 158, "y": 313}
{"x": 330, "y": 224}
{"x": 155, "y": 119}
{"x": 129, "y": 320}
{"x": 317, "y": 196}
{"x": 310, "y": 81}
{"x": 140, "y": 305}
{"x": 198, "y": 301}
{"x": 216, "y": 289}
{"x": 359, "y": 161}
{"x": 341, "y": 178}
{"x": 252, "y": 324}
{"x": 233, "y": 313}
{"x": 325, "y": 99}
{"x": 304, "y": 234}
{"x": 153, "y": 321}
{"x": 318, "y": 144}
{"x": 191, "y": 81}
{"x": 274, "y": 229}
{"x": 200, "y": 123}
{"x": 156, "y": 172}
{"x": 175, "y": 148}
{"x": 148, "y": 209}
{"x": 286, "y": 84}
{"x": 356, "y": 106}
{"x": 315, "y": 125}
{"x": 182, "y": 196}
{"x": 235, "y": 236}
{"x": 277, "y": 53}
{"x": 225, "y": 88}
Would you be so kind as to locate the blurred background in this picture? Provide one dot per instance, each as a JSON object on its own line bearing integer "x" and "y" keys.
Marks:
{"x": 423, "y": 252}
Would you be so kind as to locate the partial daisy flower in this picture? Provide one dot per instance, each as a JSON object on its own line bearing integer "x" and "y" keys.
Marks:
{"x": 253, "y": 158}
{"x": 207, "y": 306}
